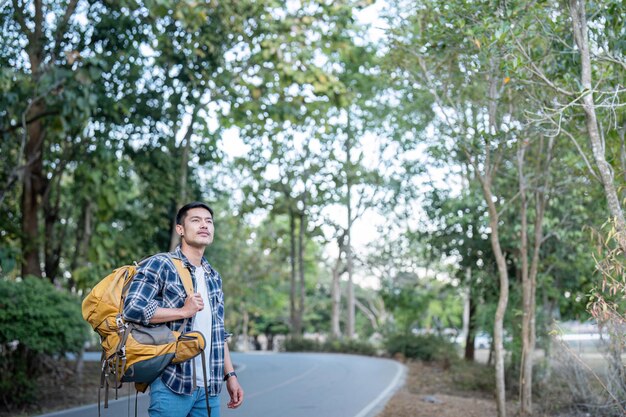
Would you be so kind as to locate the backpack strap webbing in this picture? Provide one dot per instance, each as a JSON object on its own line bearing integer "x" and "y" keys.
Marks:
{"x": 185, "y": 277}
{"x": 206, "y": 385}
{"x": 136, "y": 399}
{"x": 184, "y": 274}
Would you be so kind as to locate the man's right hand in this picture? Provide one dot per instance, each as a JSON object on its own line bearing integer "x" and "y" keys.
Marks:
{"x": 193, "y": 304}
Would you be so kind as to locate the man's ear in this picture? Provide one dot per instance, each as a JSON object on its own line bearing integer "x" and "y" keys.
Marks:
{"x": 179, "y": 229}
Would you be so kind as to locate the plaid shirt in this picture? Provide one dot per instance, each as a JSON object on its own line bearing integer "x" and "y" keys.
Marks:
{"x": 157, "y": 284}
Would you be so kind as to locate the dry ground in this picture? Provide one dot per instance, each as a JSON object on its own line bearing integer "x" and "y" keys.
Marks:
{"x": 430, "y": 391}
{"x": 466, "y": 390}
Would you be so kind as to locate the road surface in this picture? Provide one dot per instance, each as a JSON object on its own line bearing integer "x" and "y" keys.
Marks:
{"x": 292, "y": 385}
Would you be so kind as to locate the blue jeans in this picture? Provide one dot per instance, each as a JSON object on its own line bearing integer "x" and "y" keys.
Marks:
{"x": 166, "y": 403}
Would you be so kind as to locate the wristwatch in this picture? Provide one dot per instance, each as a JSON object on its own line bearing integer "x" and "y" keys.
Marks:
{"x": 228, "y": 375}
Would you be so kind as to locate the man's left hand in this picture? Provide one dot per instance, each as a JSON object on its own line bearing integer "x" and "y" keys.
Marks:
{"x": 235, "y": 391}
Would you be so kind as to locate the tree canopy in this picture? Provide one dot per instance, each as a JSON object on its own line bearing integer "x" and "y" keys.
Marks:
{"x": 376, "y": 167}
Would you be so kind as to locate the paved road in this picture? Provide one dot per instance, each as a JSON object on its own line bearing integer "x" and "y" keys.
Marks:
{"x": 293, "y": 385}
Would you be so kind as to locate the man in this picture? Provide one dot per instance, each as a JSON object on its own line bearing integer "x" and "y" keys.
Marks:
{"x": 157, "y": 295}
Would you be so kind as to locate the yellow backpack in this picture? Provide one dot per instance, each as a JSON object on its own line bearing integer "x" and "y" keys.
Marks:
{"x": 132, "y": 352}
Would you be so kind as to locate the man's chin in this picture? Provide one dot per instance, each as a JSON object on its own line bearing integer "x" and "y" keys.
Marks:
{"x": 201, "y": 243}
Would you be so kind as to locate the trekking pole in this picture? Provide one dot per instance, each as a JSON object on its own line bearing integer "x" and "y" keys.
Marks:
{"x": 206, "y": 387}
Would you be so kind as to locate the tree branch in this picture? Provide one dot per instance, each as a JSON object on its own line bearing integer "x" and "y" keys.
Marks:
{"x": 71, "y": 7}
{"x": 582, "y": 154}
{"x": 536, "y": 71}
{"x": 19, "y": 16}
{"x": 29, "y": 121}
{"x": 38, "y": 21}
{"x": 612, "y": 59}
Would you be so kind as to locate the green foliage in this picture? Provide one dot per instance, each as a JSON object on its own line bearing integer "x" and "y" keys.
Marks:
{"x": 37, "y": 323}
{"x": 428, "y": 347}
{"x": 420, "y": 303}
{"x": 42, "y": 318}
{"x": 473, "y": 376}
{"x": 357, "y": 347}
{"x": 299, "y": 344}
{"x": 305, "y": 90}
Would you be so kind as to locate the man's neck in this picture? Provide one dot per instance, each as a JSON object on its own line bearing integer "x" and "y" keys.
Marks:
{"x": 194, "y": 254}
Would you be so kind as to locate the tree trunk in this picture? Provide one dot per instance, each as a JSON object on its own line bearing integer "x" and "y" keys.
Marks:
{"x": 335, "y": 294}
{"x": 621, "y": 133}
{"x": 302, "y": 293}
{"x": 351, "y": 322}
{"x": 270, "y": 341}
{"x": 295, "y": 325}
{"x": 503, "y": 299}
{"x": 469, "y": 354}
{"x": 371, "y": 316}
{"x": 181, "y": 199}
{"x": 548, "y": 307}
{"x": 526, "y": 365}
{"x": 245, "y": 324}
{"x": 529, "y": 276}
{"x": 579, "y": 24}
{"x": 32, "y": 187}
{"x": 52, "y": 241}
{"x": 33, "y": 177}
{"x": 83, "y": 238}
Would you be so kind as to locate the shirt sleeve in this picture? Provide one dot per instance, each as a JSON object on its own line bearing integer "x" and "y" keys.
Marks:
{"x": 141, "y": 303}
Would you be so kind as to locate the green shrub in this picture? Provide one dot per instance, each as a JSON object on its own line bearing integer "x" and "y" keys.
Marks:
{"x": 299, "y": 344}
{"x": 37, "y": 324}
{"x": 472, "y": 376}
{"x": 357, "y": 347}
{"x": 423, "y": 347}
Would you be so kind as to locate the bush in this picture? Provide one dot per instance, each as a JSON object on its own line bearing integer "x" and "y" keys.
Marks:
{"x": 472, "y": 376}
{"x": 577, "y": 389}
{"x": 423, "y": 347}
{"x": 37, "y": 324}
{"x": 349, "y": 346}
{"x": 299, "y": 344}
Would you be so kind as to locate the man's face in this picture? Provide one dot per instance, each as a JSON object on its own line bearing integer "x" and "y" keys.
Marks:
{"x": 197, "y": 228}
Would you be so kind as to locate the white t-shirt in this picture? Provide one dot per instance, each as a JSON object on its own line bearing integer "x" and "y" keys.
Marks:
{"x": 203, "y": 324}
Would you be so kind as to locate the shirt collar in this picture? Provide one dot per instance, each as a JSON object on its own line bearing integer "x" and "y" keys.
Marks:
{"x": 178, "y": 253}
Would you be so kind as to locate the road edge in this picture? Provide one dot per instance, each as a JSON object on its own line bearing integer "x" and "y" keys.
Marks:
{"x": 378, "y": 404}
{"x": 59, "y": 413}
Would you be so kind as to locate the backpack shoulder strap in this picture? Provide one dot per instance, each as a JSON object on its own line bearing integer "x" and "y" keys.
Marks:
{"x": 185, "y": 277}
{"x": 184, "y": 274}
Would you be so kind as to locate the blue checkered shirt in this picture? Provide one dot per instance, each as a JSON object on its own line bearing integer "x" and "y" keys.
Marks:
{"x": 157, "y": 284}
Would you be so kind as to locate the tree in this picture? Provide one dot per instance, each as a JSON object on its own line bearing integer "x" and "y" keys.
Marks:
{"x": 472, "y": 108}
{"x": 48, "y": 69}
{"x": 283, "y": 106}
{"x": 104, "y": 82}
{"x": 585, "y": 97}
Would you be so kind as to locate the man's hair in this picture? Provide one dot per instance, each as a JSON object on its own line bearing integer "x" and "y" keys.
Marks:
{"x": 182, "y": 213}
